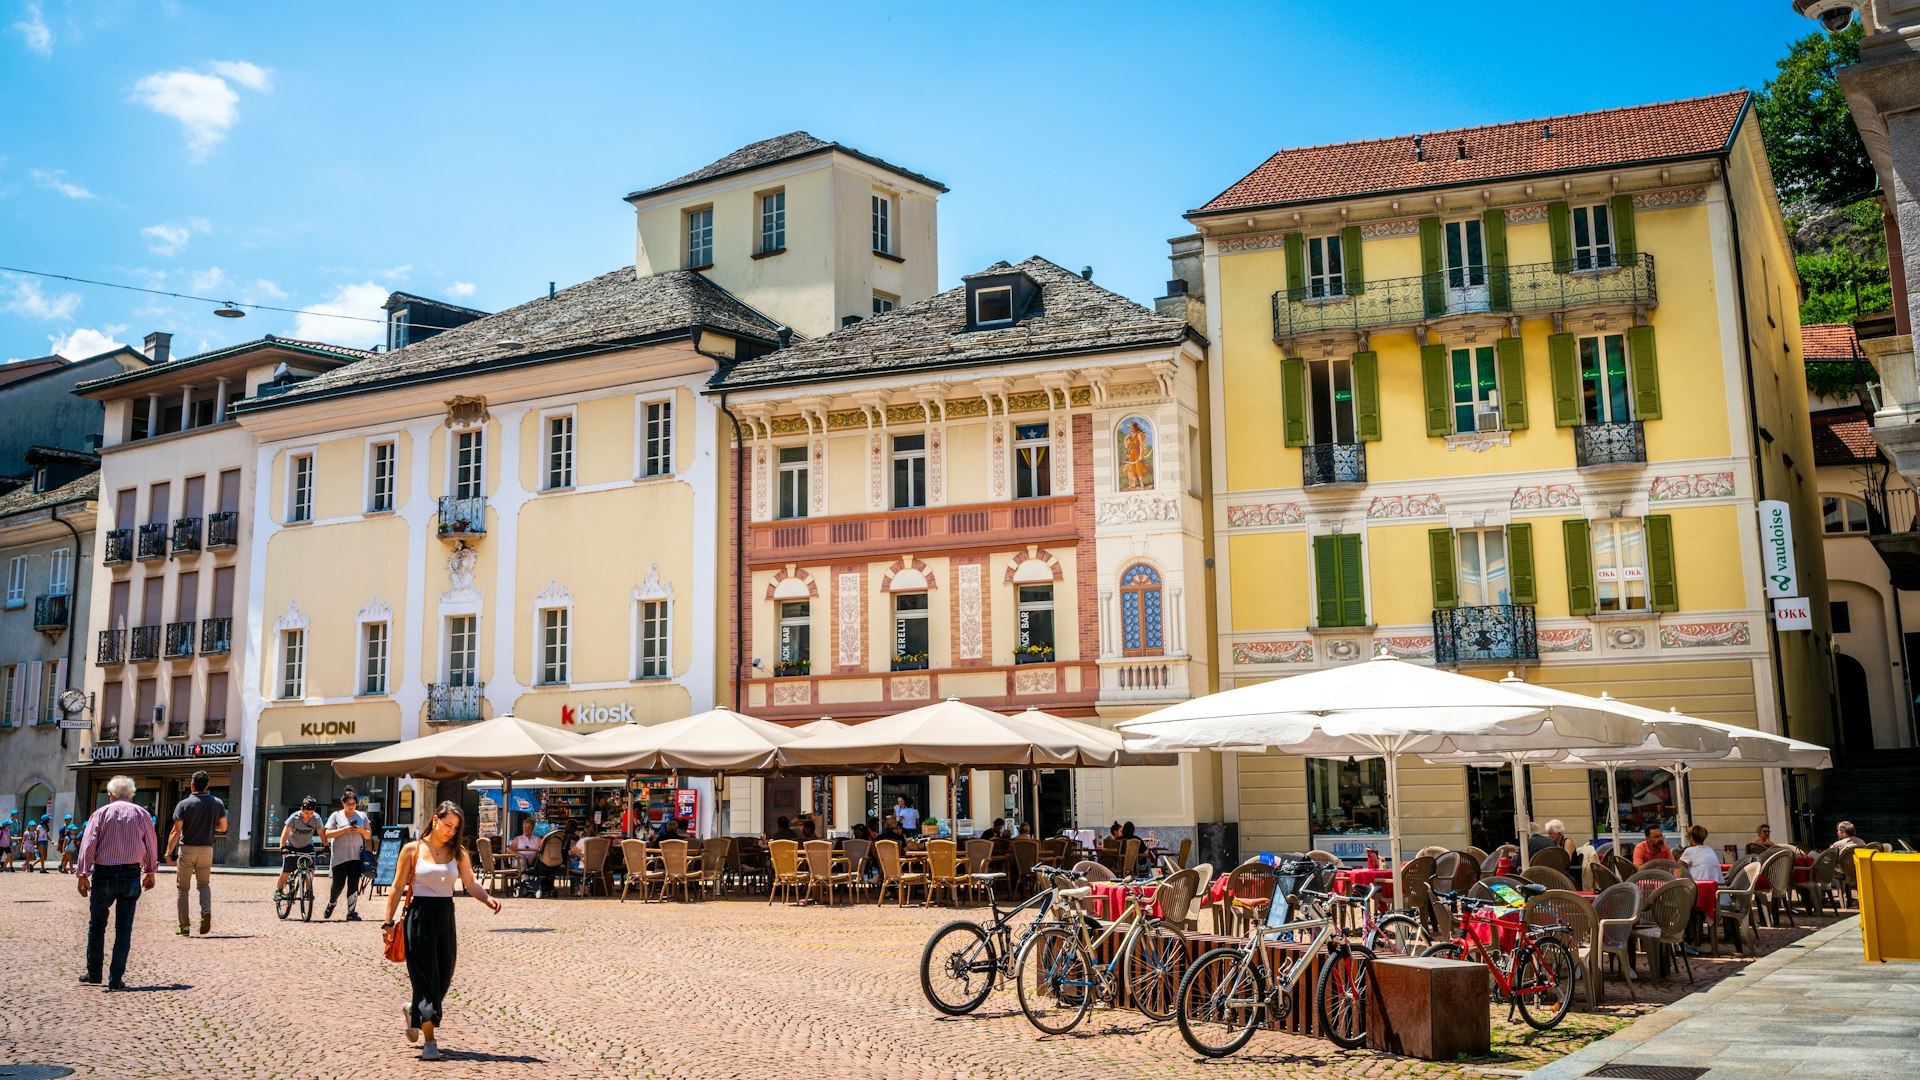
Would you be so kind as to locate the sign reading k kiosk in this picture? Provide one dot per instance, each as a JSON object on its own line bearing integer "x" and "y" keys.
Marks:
{"x": 597, "y": 714}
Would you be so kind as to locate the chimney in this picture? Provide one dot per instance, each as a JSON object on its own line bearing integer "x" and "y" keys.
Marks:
{"x": 848, "y": 320}
{"x": 550, "y": 290}
{"x": 159, "y": 346}
{"x": 786, "y": 336}
{"x": 1462, "y": 150}
{"x": 1087, "y": 272}
{"x": 1546, "y": 131}
{"x": 1419, "y": 151}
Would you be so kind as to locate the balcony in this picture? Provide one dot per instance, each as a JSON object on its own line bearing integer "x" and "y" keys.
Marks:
{"x": 463, "y": 519}
{"x": 452, "y": 704}
{"x": 143, "y": 728}
{"x": 179, "y": 640}
{"x": 223, "y": 530}
{"x": 1519, "y": 289}
{"x": 1322, "y": 464}
{"x": 1894, "y": 529}
{"x": 1068, "y": 687}
{"x": 1496, "y": 633}
{"x": 152, "y": 542}
{"x": 186, "y": 536}
{"x": 144, "y": 645}
{"x": 109, "y": 730}
{"x": 176, "y": 725}
{"x": 1146, "y": 678}
{"x": 998, "y": 526}
{"x": 118, "y": 549}
{"x": 112, "y": 648}
{"x": 216, "y": 636}
{"x": 1604, "y": 445}
{"x": 213, "y": 727}
{"x": 52, "y": 612}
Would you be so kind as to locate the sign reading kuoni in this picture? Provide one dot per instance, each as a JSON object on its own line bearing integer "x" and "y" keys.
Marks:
{"x": 1776, "y": 549}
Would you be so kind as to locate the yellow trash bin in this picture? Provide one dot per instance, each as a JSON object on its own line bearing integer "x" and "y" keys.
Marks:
{"x": 1889, "y": 903}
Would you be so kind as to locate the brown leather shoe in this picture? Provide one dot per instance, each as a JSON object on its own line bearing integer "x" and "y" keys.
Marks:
{"x": 206, "y": 924}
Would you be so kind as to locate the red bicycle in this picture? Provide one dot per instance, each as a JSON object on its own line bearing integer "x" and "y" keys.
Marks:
{"x": 1535, "y": 975}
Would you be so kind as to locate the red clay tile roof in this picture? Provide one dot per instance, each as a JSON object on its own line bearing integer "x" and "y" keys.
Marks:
{"x": 1664, "y": 131}
{"x": 1841, "y": 437}
{"x": 1826, "y": 341}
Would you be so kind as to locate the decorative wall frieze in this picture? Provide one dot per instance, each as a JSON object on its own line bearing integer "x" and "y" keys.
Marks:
{"x": 1279, "y": 513}
{"x": 1273, "y": 652}
{"x": 1478, "y": 442}
{"x": 652, "y": 588}
{"x": 461, "y": 563}
{"x": 1036, "y": 679}
{"x": 294, "y": 619}
{"x": 1704, "y": 635}
{"x": 847, "y": 607}
{"x": 1714, "y": 485}
{"x": 967, "y": 580}
{"x": 554, "y": 595}
{"x": 1236, "y": 245}
{"x": 1409, "y": 647}
{"x": 1405, "y": 506}
{"x": 1544, "y": 496}
{"x": 1521, "y": 215}
{"x": 1565, "y": 640}
{"x": 1381, "y": 230}
{"x": 1655, "y": 200}
{"x": 1136, "y": 509}
{"x": 376, "y": 610}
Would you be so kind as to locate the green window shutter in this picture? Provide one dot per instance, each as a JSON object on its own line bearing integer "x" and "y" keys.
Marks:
{"x": 1564, "y": 366}
{"x": 1326, "y": 579}
{"x": 1579, "y": 547}
{"x": 1520, "y": 564}
{"x": 1513, "y": 383}
{"x": 1663, "y": 592}
{"x": 1366, "y": 395}
{"x": 1494, "y": 229}
{"x": 1293, "y": 400}
{"x": 1624, "y": 247}
{"x": 1434, "y": 286}
{"x": 1296, "y": 266}
{"x": 1355, "y": 281}
{"x": 1645, "y": 362}
{"x": 1446, "y": 583}
{"x": 1353, "y": 601}
{"x": 1560, "y": 228}
{"x": 1438, "y": 386}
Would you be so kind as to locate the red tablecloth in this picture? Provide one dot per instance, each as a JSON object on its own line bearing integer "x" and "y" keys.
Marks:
{"x": 1707, "y": 899}
{"x": 1364, "y": 877}
{"x": 1109, "y": 899}
{"x": 1497, "y": 937}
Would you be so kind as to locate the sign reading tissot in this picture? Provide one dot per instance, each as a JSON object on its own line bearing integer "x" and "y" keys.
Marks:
{"x": 1776, "y": 549}
{"x": 163, "y": 751}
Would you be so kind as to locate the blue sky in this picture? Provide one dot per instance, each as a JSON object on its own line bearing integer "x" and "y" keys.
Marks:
{"x": 318, "y": 155}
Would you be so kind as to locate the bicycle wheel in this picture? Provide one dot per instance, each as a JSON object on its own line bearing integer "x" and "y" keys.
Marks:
{"x": 1155, "y": 963}
{"x": 957, "y": 968}
{"x": 306, "y": 897}
{"x": 1543, "y": 982}
{"x": 1222, "y": 999}
{"x": 1346, "y": 978}
{"x": 1396, "y": 934}
{"x": 1055, "y": 980}
{"x": 1446, "y": 950}
{"x": 283, "y": 903}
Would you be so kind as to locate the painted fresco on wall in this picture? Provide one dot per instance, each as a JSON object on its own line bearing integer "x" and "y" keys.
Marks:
{"x": 1133, "y": 446}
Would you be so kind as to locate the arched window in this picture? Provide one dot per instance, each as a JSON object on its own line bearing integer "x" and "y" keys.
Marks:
{"x": 1140, "y": 611}
{"x": 1843, "y": 514}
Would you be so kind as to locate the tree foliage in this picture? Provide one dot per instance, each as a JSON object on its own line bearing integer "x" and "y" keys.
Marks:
{"x": 1812, "y": 145}
{"x": 1841, "y": 255}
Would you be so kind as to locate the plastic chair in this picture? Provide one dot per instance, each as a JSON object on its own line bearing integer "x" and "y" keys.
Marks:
{"x": 635, "y": 854}
{"x": 1475, "y": 854}
{"x": 1204, "y": 872}
{"x": 1598, "y": 875}
{"x": 1738, "y": 900}
{"x": 1325, "y": 858}
{"x": 1552, "y": 858}
{"x": 783, "y": 856}
{"x": 1026, "y": 855}
{"x": 1675, "y": 865}
{"x": 1551, "y": 878}
{"x": 1094, "y": 871}
{"x": 1175, "y": 896}
{"x": 1621, "y": 866}
{"x": 1576, "y": 912}
{"x": 1185, "y": 853}
{"x": 1130, "y": 857}
{"x": 1777, "y": 868}
{"x": 1432, "y": 851}
{"x": 1491, "y": 863}
{"x": 1819, "y": 887}
{"x": 1669, "y": 908}
{"x": 1249, "y": 893}
{"x": 1615, "y": 911}
{"x": 1651, "y": 873}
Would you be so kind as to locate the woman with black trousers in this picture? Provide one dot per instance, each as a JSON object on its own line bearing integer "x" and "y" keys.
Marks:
{"x": 426, "y": 874}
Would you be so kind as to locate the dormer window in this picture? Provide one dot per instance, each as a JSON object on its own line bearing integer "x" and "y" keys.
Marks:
{"x": 397, "y": 329}
{"x": 1001, "y": 297}
{"x": 993, "y": 305}
{"x": 40, "y": 479}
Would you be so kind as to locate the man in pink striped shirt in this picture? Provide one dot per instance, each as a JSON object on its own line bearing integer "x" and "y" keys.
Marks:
{"x": 119, "y": 854}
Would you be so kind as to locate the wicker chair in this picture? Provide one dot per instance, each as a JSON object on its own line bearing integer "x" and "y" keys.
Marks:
{"x": 1026, "y": 855}
{"x": 783, "y": 856}
{"x": 483, "y": 863}
{"x": 1819, "y": 886}
{"x": 679, "y": 868}
{"x": 593, "y": 865}
{"x": 945, "y": 870}
{"x": 979, "y": 861}
{"x": 859, "y": 853}
{"x": 1249, "y": 893}
{"x": 1777, "y": 868}
{"x": 714, "y": 860}
{"x": 1652, "y": 873}
{"x": 1615, "y": 912}
{"x": 1130, "y": 857}
{"x": 553, "y": 857}
{"x": 634, "y": 852}
{"x": 887, "y": 852}
{"x": 1552, "y": 858}
{"x": 1095, "y": 871}
{"x": 1551, "y": 878}
{"x": 1185, "y": 853}
{"x": 823, "y": 874}
{"x": 1668, "y": 909}
{"x": 1053, "y": 850}
{"x": 1739, "y": 900}
{"x": 1576, "y": 912}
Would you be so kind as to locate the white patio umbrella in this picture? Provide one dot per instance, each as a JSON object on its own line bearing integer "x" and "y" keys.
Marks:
{"x": 951, "y": 733}
{"x": 1382, "y": 708}
{"x": 504, "y": 747}
{"x": 716, "y": 741}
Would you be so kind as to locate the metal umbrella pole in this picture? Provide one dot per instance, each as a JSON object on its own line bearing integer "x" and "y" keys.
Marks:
{"x": 1523, "y": 825}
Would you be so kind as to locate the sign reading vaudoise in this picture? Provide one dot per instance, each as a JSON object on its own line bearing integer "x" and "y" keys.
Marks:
{"x": 1776, "y": 549}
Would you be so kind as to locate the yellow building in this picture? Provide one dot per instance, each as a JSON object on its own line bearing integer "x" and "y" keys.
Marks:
{"x": 1509, "y": 398}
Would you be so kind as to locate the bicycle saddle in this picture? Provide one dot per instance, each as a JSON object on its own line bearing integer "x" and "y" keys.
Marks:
{"x": 995, "y": 876}
{"x": 1075, "y": 893}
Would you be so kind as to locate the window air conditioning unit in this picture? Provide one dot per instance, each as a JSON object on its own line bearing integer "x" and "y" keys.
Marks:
{"x": 1486, "y": 417}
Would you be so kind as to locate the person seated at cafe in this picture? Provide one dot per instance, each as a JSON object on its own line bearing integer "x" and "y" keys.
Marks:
{"x": 893, "y": 831}
{"x": 1025, "y": 832}
{"x": 1113, "y": 831}
{"x": 526, "y": 845}
{"x": 1849, "y": 839}
{"x": 1653, "y": 847}
{"x": 669, "y": 830}
{"x": 1762, "y": 841}
{"x": 1703, "y": 863}
{"x": 995, "y": 831}
{"x": 783, "y": 830}
{"x": 808, "y": 830}
{"x": 1553, "y": 834}
{"x": 861, "y": 832}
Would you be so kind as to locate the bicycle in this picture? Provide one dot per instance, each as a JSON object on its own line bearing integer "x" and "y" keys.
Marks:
{"x": 974, "y": 958}
{"x": 1399, "y": 930}
{"x": 299, "y": 889}
{"x": 1058, "y": 979}
{"x": 1535, "y": 976}
{"x": 1233, "y": 988}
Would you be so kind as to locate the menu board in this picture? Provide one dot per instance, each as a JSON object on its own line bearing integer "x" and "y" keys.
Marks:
{"x": 392, "y": 839}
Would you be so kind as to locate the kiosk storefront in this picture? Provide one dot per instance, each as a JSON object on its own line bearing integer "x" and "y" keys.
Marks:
{"x": 162, "y": 775}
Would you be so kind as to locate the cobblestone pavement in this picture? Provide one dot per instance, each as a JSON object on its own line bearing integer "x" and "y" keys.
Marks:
{"x": 562, "y": 988}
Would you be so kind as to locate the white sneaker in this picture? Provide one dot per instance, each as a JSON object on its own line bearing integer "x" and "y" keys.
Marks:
{"x": 430, "y": 1051}
{"x": 413, "y": 1029}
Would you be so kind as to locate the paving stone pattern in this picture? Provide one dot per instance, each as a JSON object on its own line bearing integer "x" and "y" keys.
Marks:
{"x": 563, "y": 988}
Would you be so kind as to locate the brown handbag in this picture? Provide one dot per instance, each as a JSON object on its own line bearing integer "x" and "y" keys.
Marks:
{"x": 396, "y": 935}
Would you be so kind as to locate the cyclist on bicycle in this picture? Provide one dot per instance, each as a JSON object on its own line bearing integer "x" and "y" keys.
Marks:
{"x": 297, "y": 840}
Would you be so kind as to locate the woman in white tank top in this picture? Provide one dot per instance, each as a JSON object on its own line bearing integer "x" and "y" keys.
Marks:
{"x": 427, "y": 870}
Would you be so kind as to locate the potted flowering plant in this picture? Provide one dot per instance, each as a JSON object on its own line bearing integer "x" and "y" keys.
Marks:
{"x": 1033, "y": 654}
{"x": 913, "y": 661}
{"x": 784, "y": 668}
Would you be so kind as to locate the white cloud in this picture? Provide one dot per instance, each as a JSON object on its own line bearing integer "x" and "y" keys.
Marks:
{"x": 85, "y": 342}
{"x": 251, "y": 76}
{"x": 460, "y": 290}
{"x": 208, "y": 281}
{"x": 34, "y": 30}
{"x": 29, "y": 301}
{"x": 323, "y": 321}
{"x": 204, "y": 103}
{"x": 266, "y": 290}
{"x": 168, "y": 238}
{"x": 395, "y": 273}
{"x": 53, "y": 180}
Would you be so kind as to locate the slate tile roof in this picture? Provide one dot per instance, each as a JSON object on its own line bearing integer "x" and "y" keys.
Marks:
{"x": 794, "y": 144}
{"x": 615, "y": 307}
{"x": 1072, "y": 315}
{"x": 25, "y": 500}
{"x": 337, "y": 352}
{"x": 1843, "y": 437}
{"x": 1658, "y": 132}
{"x": 1827, "y": 341}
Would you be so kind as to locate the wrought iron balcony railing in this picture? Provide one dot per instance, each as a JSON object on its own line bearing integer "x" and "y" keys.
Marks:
{"x": 1890, "y": 511}
{"x": 1466, "y": 635}
{"x": 186, "y": 536}
{"x": 53, "y": 611}
{"x": 463, "y": 519}
{"x": 144, "y": 644}
{"x": 143, "y": 728}
{"x": 176, "y": 725}
{"x": 452, "y": 704}
{"x": 152, "y": 542}
{"x": 1623, "y": 443}
{"x": 1333, "y": 463}
{"x": 179, "y": 640}
{"x": 216, "y": 636}
{"x": 118, "y": 549}
{"x": 1527, "y": 287}
{"x": 223, "y": 529}
{"x": 213, "y": 727}
{"x": 109, "y": 730}
{"x": 112, "y": 648}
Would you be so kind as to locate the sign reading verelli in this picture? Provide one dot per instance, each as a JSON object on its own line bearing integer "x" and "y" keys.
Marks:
{"x": 1776, "y": 549}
